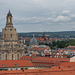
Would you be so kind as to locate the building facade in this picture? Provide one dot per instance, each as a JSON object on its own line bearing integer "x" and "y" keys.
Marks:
{"x": 11, "y": 48}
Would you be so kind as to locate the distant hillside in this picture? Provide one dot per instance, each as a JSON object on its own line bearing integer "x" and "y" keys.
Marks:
{"x": 64, "y": 34}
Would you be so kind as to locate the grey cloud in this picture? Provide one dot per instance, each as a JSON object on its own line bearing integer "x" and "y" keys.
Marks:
{"x": 39, "y": 15}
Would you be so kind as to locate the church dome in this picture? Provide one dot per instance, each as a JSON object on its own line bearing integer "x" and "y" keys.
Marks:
{"x": 33, "y": 41}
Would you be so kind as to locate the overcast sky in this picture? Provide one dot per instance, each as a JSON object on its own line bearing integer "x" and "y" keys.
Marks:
{"x": 39, "y": 15}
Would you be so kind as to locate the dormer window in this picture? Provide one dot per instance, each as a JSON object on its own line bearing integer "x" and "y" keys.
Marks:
{"x": 3, "y": 65}
{"x": 69, "y": 66}
{"x": 15, "y": 64}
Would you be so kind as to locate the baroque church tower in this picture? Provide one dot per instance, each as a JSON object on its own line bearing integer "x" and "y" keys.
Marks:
{"x": 11, "y": 48}
{"x": 9, "y": 32}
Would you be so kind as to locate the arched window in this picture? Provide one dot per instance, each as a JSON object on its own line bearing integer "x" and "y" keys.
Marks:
{"x": 5, "y": 56}
{"x": 4, "y": 35}
{"x": 17, "y": 56}
{"x": 11, "y": 35}
{"x": 12, "y": 57}
{"x": 9, "y": 20}
{"x": 10, "y": 29}
{"x": 0, "y": 56}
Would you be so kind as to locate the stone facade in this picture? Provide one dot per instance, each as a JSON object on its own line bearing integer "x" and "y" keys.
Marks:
{"x": 11, "y": 48}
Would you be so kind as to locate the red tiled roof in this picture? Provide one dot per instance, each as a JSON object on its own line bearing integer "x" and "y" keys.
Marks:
{"x": 52, "y": 39}
{"x": 34, "y": 55}
{"x": 27, "y": 39}
{"x": 68, "y": 64}
{"x": 47, "y": 60}
{"x": 27, "y": 57}
{"x": 51, "y": 71}
{"x": 54, "y": 60}
{"x": 40, "y": 39}
{"x": 72, "y": 50}
{"x": 37, "y": 61}
{"x": 71, "y": 47}
{"x": 46, "y": 38}
{"x": 12, "y": 63}
{"x": 46, "y": 53}
{"x": 38, "y": 49}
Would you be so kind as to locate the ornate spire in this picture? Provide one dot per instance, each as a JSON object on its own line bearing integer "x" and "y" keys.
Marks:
{"x": 9, "y": 13}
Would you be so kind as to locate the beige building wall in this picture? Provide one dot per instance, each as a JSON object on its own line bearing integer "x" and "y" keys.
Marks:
{"x": 72, "y": 59}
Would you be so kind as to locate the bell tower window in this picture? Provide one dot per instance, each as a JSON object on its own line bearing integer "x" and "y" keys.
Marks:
{"x": 9, "y": 20}
{"x": 6, "y": 57}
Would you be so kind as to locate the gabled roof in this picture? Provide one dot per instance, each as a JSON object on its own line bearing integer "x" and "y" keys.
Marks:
{"x": 15, "y": 63}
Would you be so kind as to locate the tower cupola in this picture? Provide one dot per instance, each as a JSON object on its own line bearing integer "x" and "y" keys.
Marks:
{"x": 9, "y": 19}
